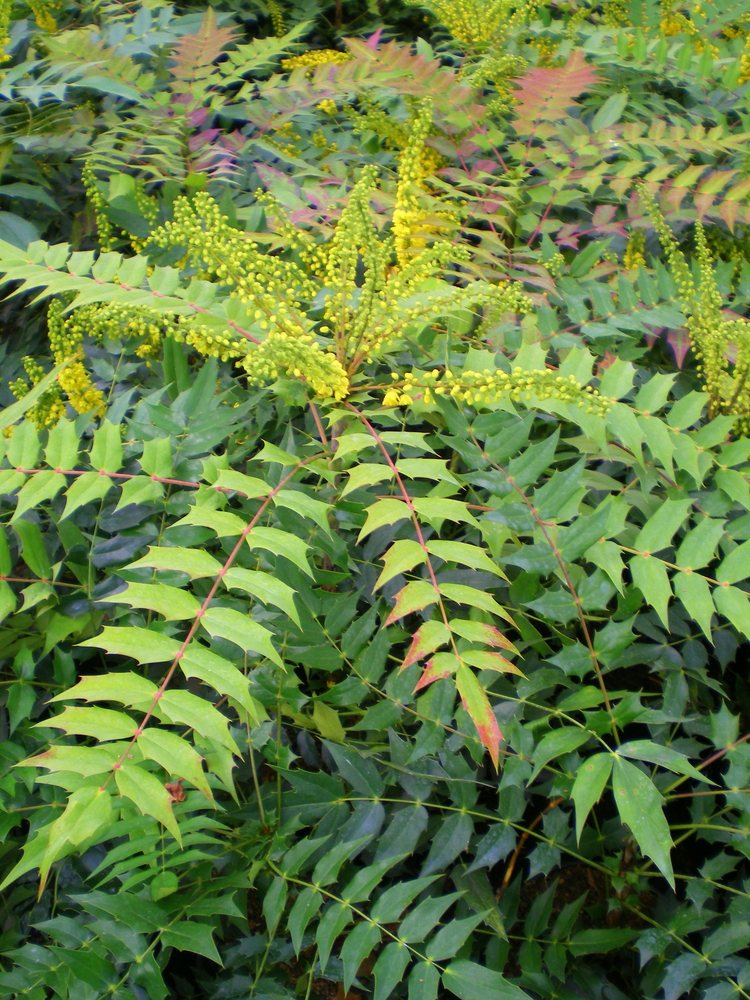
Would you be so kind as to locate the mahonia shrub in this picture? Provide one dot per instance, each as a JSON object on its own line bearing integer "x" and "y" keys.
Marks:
{"x": 373, "y": 569}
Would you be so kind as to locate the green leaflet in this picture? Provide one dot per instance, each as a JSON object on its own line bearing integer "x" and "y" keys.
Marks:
{"x": 186, "y": 709}
{"x": 101, "y": 723}
{"x": 195, "y": 562}
{"x": 265, "y": 587}
{"x": 129, "y": 688}
{"x": 173, "y": 604}
{"x": 384, "y": 512}
{"x": 657, "y": 532}
{"x": 175, "y": 755}
{"x": 588, "y": 786}
{"x": 221, "y": 675}
{"x": 640, "y": 807}
{"x": 143, "y": 645}
{"x": 401, "y": 557}
{"x": 280, "y": 544}
{"x": 651, "y": 577}
{"x": 241, "y": 630}
{"x": 148, "y": 794}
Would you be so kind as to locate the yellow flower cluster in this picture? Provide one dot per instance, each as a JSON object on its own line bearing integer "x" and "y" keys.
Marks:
{"x": 118, "y": 320}
{"x": 328, "y": 106}
{"x": 42, "y": 11}
{"x": 104, "y": 228}
{"x": 300, "y": 357}
{"x": 710, "y": 333}
{"x": 208, "y": 342}
{"x": 633, "y": 257}
{"x": 49, "y": 407}
{"x": 615, "y": 13}
{"x": 482, "y": 388}
{"x": 745, "y": 63}
{"x": 273, "y": 285}
{"x": 74, "y": 380}
{"x": 315, "y": 57}
{"x": 477, "y": 23}
{"x": 5, "y": 11}
{"x": 409, "y": 221}
{"x": 277, "y": 18}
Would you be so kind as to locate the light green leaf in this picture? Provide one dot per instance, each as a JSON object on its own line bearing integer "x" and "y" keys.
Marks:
{"x": 328, "y": 722}
{"x": 693, "y": 590}
{"x": 86, "y": 761}
{"x": 401, "y": 557}
{"x": 175, "y": 755}
{"x": 608, "y": 557}
{"x": 241, "y": 630}
{"x": 439, "y": 509}
{"x": 733, "y": 604}
{"x": 467, "y": 555}
{"x": 426, "y": 468}
{"x": 653, "y": 395}
{"x": 656, "y": 534}
{"x": 149, "y": 795}
{"x": 236, "y": 482}
{"x": 623, "y": 423}
{"x": 270, "y": 453}
{"x": 222, "y": 676}
{"x": 687, "y": 410}
{"x": 461, "y": 594}
{"x": 143, "y": 645}
{"x": 23, "y": 447}
{"x": 407, "y": 439}
{"x": 640, "y": 806}
{"x": 698, "y": 546}
{"x": 362, "y": 476}
{"x": 470, "y": 981}
{"x": 194, "y": 562}
{"x": 556, "y": 744}
{"x": 591, "y": 777}
{"x": 383, "y": 512}
{"x": 156, "y": 459}
{"x": 190, "y": 935}
{"x": 129, "y": 688}
{"x": 265, "y": 587}
{"x": 736, "y": 566}
{"x": 224, "y": 523}
{"x": 655, "y": 753}
{"x": 106, "y": 451}
{"x": 139, "y": 489}
{"x": 41, "y": 486}
{"x": 189, "y": 710}
{"x": 101, "y": 723}
{"x": 281, "y": 543}
{"x": 651, "y": 578}
{"x": 305, "y": 506}
{"x": 171, "y": 602}
{"x": 610, "y": 112}
{"x": 85, "y": 489}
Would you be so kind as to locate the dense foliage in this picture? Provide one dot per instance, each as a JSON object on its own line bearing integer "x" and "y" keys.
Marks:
{"x": 375, "y": 575}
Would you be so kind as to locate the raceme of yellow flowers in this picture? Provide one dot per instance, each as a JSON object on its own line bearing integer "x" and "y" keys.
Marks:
{"x": 711, "y": 335}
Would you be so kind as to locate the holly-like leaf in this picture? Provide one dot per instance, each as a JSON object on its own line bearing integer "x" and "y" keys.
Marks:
{"x": 640, "y": 806}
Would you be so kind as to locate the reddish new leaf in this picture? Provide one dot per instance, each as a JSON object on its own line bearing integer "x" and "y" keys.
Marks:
{"x": 413, "y": 597}
{"x": 476, "y": 703}
{"x": 442, "y": 665}
{"x": 546, "y": 93}
{"x": 195, "y": 54}
{"x": 426, "y": 639}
